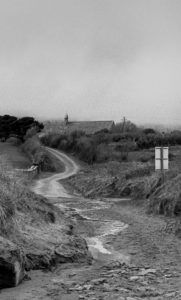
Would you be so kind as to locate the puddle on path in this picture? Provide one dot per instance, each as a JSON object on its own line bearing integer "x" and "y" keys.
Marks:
{"x": 52, "y": 188}
{"x": 103, "y": 228}
{"x": 96, "y": 243}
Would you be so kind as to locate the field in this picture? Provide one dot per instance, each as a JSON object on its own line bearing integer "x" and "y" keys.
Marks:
{"x": 14, "y": 156}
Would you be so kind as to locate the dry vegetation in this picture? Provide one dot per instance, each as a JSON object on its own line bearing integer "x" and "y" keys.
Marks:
{"x": 37, "y": 154}
{"x": 20, "y": 208}
{"x": 33, "y": 225}
{"x": 121, "y": 164}
{"x": 137, "y": 180}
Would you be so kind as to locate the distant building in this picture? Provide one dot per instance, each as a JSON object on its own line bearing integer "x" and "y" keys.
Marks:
{"x": 88, "y": 127}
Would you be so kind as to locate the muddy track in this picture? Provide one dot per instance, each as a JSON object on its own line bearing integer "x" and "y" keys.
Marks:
{"x": 52, "y": 188}
{"x": 134, "y": 257}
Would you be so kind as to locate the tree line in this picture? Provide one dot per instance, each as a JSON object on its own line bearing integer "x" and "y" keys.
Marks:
{"x": 17, "y": 127}
{"x": 106, "y": 145}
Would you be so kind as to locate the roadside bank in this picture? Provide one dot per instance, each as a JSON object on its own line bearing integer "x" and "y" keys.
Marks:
{"x": 35, "y": 234}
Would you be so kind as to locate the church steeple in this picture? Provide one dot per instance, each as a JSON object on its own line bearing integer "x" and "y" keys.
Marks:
{"x": 66, "y": 119}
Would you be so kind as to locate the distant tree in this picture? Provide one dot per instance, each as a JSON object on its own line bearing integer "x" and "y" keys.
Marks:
{"x": 10, "y": 125}
{"x": 149, "y": 131}
{"x": 125, "y": 126}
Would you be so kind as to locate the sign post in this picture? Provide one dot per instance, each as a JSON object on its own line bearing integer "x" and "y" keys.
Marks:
{"x": 161, "y": 160}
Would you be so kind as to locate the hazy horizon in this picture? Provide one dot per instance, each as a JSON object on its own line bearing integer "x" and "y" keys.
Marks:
{"x": 92, "y": 59}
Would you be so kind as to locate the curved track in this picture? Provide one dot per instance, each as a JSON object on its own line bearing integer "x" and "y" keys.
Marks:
{"x": 51, "y": 187}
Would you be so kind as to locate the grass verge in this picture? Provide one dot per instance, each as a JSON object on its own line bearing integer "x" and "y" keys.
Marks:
{"x": 35, "y": 226}
{"x": 38, "y": 154}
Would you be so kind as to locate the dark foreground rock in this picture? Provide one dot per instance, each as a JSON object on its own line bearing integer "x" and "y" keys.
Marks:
{"x": 47, "y": 252}
{"x": 39, "y": 248}
{"x": 12, "y": 264}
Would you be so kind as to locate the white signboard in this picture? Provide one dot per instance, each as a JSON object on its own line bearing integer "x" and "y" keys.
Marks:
{"x": 161, "y": 158}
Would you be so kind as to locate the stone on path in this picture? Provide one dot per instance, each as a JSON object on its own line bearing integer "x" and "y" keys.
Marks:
{"x": 12, "y": 262}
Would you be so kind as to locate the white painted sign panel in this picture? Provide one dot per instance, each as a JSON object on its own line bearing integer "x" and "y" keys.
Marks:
{"x": 157, "y": 152}
{"x": 165, "y": 164}
{"x": 165, "y": 153}
{"x": 161, "y": 158}
{"x": 157, "y": 164}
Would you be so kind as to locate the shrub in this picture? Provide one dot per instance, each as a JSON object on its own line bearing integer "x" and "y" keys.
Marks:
{"x": 63, "y": 145}
{"x": 86, "y": 150}
{"x": 14, "y": 141}
{"x": 102, "y": 153}
{"x": 167, "y": 198}
{"x": 38, "y": 154}
{"x": 149, "y": 131}
{"x": 55, "y": 140}
{"x": 138, "y": 170}
{"x": 101, "y": 137}
{"x": 126, "y": 146}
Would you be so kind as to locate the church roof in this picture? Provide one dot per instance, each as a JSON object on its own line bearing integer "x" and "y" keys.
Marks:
{"x": 90, "y": 127}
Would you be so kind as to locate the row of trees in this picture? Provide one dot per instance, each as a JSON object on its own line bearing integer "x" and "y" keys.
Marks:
{"x": 105, "y": 145}
{"x": 18, "y": 127}
{"x": 144, "y": 138}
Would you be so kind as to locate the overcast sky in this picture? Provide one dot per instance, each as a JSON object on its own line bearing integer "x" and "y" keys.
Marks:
{"x": 94, "y": 59}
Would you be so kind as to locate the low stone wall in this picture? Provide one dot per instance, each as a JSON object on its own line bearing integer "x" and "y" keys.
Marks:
{"x": 29, "y": 173}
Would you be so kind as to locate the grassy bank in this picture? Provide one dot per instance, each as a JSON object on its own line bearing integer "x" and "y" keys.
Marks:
{"x": 21, "y": 211}
{"x": 136, "y": 180}
{"x": 38, "y": 231}
{"x": 38, "y": 154}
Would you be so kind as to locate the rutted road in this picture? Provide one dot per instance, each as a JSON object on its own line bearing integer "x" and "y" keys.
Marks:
{"x": 87, "y": 209}
{"x": 116, "y": 231}
{"x": 156, "y": 255}
{"x": 50, "y": 187}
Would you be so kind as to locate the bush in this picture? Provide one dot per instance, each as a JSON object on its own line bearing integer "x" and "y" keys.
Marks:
{"x": 149, "y": 131}
{"x": 38, "y": 154}
{"x": 14, "y": 141}
{"x": 86, "y": 150}
{"x": 167, "y": 198}
{"x": 138, "y": 170}
{"x": 102, "y": 153}
{"x": 102, "y": 137}
{"x": 145, "y": 157}
{"x": 126, "y": 146}
{"x": 84, "y": 147}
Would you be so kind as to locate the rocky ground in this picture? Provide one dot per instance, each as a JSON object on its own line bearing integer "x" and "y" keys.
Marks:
{"x": 137, "y": 261}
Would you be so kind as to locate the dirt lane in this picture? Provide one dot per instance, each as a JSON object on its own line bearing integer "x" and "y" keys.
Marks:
{"x": 117, "y": 230}
{"x": 51, "y": 187}
{"x": 134, "y": 257}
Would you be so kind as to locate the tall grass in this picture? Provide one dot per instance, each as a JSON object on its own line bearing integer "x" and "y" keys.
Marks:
{"x": 167, "y": 198}
{"x": 7, "y": 206}
{"x": 17, "y": 203}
